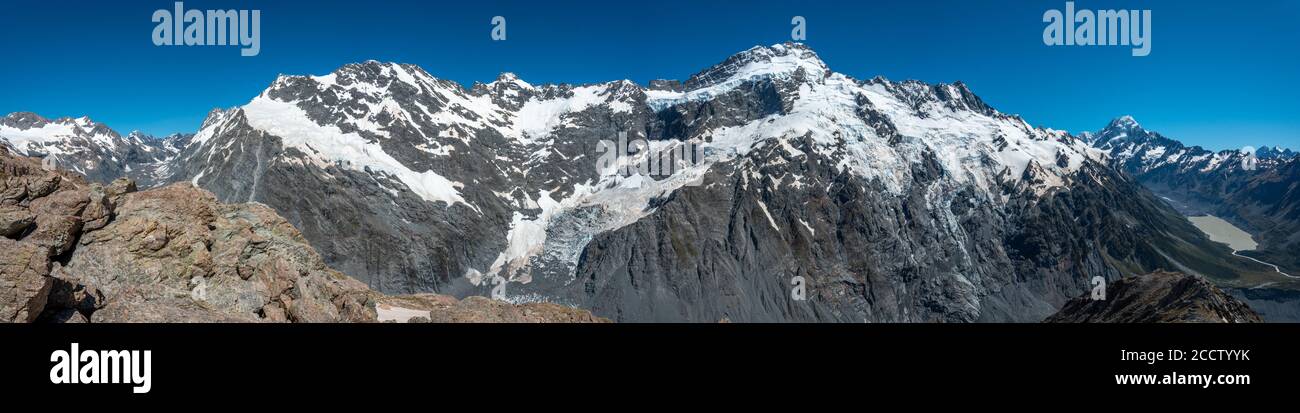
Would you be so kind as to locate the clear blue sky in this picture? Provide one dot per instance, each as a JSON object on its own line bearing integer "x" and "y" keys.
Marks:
{"x": 1221, "y": 74}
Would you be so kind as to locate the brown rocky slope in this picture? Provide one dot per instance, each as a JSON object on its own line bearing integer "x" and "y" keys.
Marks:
{"x": 1160, "y": 297}
{"x": 71, "y": 251}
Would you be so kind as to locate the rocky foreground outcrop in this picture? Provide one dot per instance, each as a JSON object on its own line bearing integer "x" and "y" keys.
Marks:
{"x": 72, "y": 251}
{"x": 1161, "y": 297}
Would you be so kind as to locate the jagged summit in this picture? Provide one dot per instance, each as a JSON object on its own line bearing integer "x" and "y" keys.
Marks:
{"x": 757, "y": 61}
{"x": 1125, "y": 131}
{"x": 370, "y": 77}
{"x": 19, "y": 129}
{"x": 1274, "y": 152}
{"x": 370, "y": 66}
{"x": 86, "y": 146}
{"x": 511, "y": 77}
{"x": 1126, "y": 122}
{"x": 23, "y": 119}
{"x": 28, "y": 120}
{"x": 1140, "y": 150}
{"x": 1120, "y": 127}
{"x": 761, "y": 61}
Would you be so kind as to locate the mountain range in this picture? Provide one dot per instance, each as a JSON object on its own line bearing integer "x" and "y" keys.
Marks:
{"x": 895, "y": 201}
{"x": 1254, "y": 190}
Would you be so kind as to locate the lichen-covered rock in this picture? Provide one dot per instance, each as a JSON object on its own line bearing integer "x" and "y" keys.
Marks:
{"x": 175, "y": 254}
{"x": 98, "y": 211}
{"x": 79, "y": 252}
{"x": 24, "y": 285}
{"x": 15, "y": 220}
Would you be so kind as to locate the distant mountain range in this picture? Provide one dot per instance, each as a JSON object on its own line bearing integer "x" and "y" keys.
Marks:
{"x": 1258, "y": 191}
{"x": 87, "y": 147}
{"x": 884, "y": 200}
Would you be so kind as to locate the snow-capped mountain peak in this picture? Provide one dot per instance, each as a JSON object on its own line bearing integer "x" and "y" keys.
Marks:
{"x": 1125, "y": 122}
{"x": 1125, "y": 131}
{"x": 1275, "y": 152}
{"x": 779, "y": 61}
{"x": 509, "y": 78}
{"x": 33, "y": 135}
{"x": 1146, "y": 153}
{"x": 81, "y": 144}
{"x": 761, "y": 61}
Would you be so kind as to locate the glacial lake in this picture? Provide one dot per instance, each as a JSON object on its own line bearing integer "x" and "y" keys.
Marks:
{"x": 1223, "y": 231}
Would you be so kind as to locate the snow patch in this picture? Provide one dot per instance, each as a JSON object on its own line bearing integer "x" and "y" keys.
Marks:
{"x": 388, "y": 312}
{"x": 291, "y": 124}
{"x": 537, "y": 117}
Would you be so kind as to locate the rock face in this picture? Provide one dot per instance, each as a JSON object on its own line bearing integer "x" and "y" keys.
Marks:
{"x": 40, "y": 213}
{"x": 24, "y": 285}
{"x": 733, "y": 247}
{"x": 176, "y": 254}
{"x": 81, "y": 252}
{"x": 1161, "y": 297}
